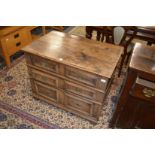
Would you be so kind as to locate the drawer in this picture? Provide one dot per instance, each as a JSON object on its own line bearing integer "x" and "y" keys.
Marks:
{"x": 79, "y": 105}
{"x": 16, "y": 40}
{"x": 85, "y": 77}
{"x": 46, "y": 64}
{"x": 144, "y": 89}
{"x": 83, "y": 91}
{"x": 43, "y": 77}
{"x": 44, "y": 91}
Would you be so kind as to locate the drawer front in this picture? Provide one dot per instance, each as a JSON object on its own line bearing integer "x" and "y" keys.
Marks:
{"x": 79, "y": 105}
{"x": 43, "y": 77}
{"x": 84, "y": 77}
{"x": 44, "y": 64}
{"x": 15, "y": 41}
{"x": 83, "y": 91}
{"x": 144, "y": 90}
{"x": 44, "y": 91}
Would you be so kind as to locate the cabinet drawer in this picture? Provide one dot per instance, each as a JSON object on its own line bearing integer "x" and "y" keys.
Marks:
{"x": 15, "y": 41}
{"x": 44, "y": 63}
{"x": 85, "y": 77}
{"x": 45, "y": 91}
{"x": 43, "y": 77}
{"x": 144, "y": 89}
{"x": 83, "y": 91}
{"x": 79, "y": 105}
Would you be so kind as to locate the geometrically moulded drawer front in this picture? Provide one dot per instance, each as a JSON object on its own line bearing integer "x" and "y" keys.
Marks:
{"x": 85, "y": 77}
{"x": 44, "y": 63}
{"x": 83, "y": 91}
{"x": 43, "y": 77}
{"x": 78, "y": 104}
{"x": 66, "y": 86}
{"x": 45, "y": 91}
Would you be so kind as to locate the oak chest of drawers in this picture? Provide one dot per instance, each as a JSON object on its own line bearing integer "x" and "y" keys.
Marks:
{"x": 136, "y": 105}
{"x": 72, "y": 72}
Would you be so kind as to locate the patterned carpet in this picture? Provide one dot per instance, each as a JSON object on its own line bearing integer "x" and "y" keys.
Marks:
{"x": 18, "y": 109}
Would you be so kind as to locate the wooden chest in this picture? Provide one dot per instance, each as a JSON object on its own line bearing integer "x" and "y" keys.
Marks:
{"x": 136, "y": 105}
{"x": 72, "y": 72}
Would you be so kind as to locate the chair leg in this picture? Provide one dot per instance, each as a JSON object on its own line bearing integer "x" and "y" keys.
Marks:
{"x": 89, "y": 32}
{"x": 127, "y": 58}
{"x": 149, "y": 43}
{"x": 98, "y": 37}
{"x": 102, "y": 38}
{"x": 121, "y": 65}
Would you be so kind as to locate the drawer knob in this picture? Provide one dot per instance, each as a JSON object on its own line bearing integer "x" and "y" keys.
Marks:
{"x": 148, "y": 93}
{"x": 18, "y": 44}
{"x": 16, "y": 35}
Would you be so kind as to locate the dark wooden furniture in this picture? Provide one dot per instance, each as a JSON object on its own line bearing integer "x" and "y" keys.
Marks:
{"x": 71, "y": 72}
{"x": 110, "y": 34}
{"x": 120, "y": 37}
{"x": 145, "y": 33}
{"x": 136, "y": 105}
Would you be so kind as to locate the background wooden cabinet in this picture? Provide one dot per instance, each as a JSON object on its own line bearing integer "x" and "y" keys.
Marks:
{"x": 13, "y": 38}
{"x": 136, "y": 105}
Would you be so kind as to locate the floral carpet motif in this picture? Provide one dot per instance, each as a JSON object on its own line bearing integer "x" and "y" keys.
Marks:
{"x": 16, "y": 91}
{"x": 14, "y": 118}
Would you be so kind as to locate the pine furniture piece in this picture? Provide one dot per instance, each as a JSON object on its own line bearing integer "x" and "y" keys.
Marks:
{"x": 13, "y": 38}
{"x": 72, "y": 72}
{"x": 136, "y": 104}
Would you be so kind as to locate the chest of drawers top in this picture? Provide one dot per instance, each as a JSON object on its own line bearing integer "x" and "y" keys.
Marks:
{"x": 79, "y": 52}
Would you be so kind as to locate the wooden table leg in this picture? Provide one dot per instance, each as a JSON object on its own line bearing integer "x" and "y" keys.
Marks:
{"x": 5, "y": 54}
{"x": 44, "y": 30}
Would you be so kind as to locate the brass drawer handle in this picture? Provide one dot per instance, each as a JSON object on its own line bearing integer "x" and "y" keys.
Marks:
{"x": 148, "y": 93}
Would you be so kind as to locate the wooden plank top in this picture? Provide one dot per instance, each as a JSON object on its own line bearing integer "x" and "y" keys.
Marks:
{"x": 88, "y": 55}
{"x": 4, "y": 30}
{"x": 143, "y": 58}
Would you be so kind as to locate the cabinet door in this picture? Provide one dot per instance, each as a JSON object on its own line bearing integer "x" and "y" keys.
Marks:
{"x": 145, "y": 117}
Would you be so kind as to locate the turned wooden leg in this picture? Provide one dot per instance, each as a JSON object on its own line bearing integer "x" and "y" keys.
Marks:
{"x": 88, "y": 32}
{"x": 98, "y": 37}
{"x": 127, "y": 58}
{"x": 149, "y": 43}
{"x": 102, "y": 37}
